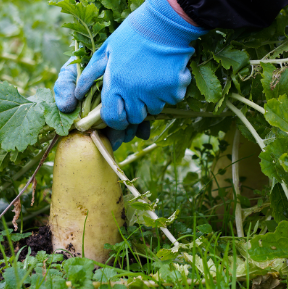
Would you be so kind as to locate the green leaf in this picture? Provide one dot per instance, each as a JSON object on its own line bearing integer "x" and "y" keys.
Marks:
{"x": 13, "y": 156}
{"x": 276, "y": 112}
{"x": 270, "y": 164}
{"x": 279, "y": 204}
{"x": 160, "y": 222}
{"x": 99, "y": 26}
{"x": 77, "y": 27}
{"x": 20, "y": 119}
{"x": 142, "y": 206}
{"x": 205, "y": 229}
{"x": 120, "y": 286}
{"x": 267, "y": 78}
{"x": 258, "y": 122}
{"x": 84, "y": 13}
{"x": 83, "y": 268}
{"x": 235, "y": 79}
{"x": 55, "y": 282}
{"x": 105, "y": 275}
{"x": 134, "y": 4}
{"x": 111, "y": 4}
{"x": 60, "y": 121}
{"x": 3, "y": 155}
{"x": 279, "y": 50}
{"x": 8, "y": 232}
{"x": 167, "y": 271}
{"x": 283, "y": 160}
{"x": 166, "y": 254}
{"x": 270, "y": 246}
{"x": 221, "y": 105}
{"x": 230, "y": 57}
{"x": 17, "y": 237}
{"x": 41, "y": 256}
{"x": 190, "y": 178}
{"x": 13, "y": 275}
{"x": 207, "y": 82}
{"x": 274, "y": 81}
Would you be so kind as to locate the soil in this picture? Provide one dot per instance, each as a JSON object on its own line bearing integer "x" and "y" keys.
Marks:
{"x": 38, "y": 241}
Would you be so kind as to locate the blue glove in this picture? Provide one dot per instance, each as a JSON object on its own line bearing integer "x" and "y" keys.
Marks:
{"x": 144, "y": 66}
{"x": 116, "y": 137}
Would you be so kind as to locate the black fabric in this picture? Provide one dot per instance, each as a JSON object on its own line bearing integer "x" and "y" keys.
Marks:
{"x": 212, "y": 14}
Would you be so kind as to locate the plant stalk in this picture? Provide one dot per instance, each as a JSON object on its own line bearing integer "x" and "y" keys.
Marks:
{"x": 277, "y": 61}
{"x": 248, "y": 102}
{"x": 51, "y": 145}
{"x": 235, "y": 177}
{"x": 86, "y": 122}
{"x": 242, "y": 117}
{"x": 87, "y": 103}
{"x": 130, "y": 159}
{"x": 167, "y": 113}
{"x": 77, "y": 64}
{"x": 254, "y": 133}
{"x": 97, "y": 141}
{"x": 25, "y": 169}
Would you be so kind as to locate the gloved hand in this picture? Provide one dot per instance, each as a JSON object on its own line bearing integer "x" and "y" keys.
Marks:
{"x": 116, "y": 137}
{"x": 144, "y": 66}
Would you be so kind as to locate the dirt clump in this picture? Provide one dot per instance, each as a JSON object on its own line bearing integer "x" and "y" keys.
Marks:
{"x": 38, "y": 241}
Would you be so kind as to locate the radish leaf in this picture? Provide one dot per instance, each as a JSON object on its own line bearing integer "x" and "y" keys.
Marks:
{"x": 20, "y": 119}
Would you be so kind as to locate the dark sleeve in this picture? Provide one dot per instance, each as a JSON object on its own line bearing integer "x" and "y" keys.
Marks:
{"x": 212, "y": 14}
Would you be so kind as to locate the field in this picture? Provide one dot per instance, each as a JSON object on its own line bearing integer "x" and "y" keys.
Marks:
{"x": 205, "y": 198}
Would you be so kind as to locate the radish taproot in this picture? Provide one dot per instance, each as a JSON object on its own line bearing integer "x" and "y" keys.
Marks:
{"x": 82, "y": 182}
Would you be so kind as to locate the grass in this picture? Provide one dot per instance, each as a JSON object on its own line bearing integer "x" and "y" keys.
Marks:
{"x": 208, "y": 256}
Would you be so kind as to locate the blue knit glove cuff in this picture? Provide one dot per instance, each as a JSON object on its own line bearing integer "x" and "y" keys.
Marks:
{"x": 157, "y": 21}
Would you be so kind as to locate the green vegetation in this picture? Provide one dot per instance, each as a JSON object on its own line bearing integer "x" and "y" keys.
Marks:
{"x": 231, "y": 231}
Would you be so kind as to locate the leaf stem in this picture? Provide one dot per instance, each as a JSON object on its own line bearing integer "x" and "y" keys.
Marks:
{"x": 236, "y": 184}
{"x": 130, "y": 159}
{"x": 51, "y": 145}
{"x": 90, "y": 35}
{"x": 242, "y": 117}
{"x": 277, "y": 61}
{"x": 77, "y": 64}
{"x": 96, "y": 139}
{"x": 258, "y": 139}
{"x": 248, "y": 102}
{"x": 25, "y": 169}
{"x": 190, "y": 113}
{"x": 285, "y": 189}
{"x": 87, "y": 103}
{"x": 96, "y": 101}
{"x": 92, "y": 117}
{"x": 167, "y": 113}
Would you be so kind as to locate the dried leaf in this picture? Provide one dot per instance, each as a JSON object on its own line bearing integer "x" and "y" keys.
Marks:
{"x": 17, "y": 211}
{"x": 266, "y": 282}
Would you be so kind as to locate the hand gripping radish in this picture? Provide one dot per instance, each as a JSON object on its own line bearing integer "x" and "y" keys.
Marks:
{"x": 143, "y": 64}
